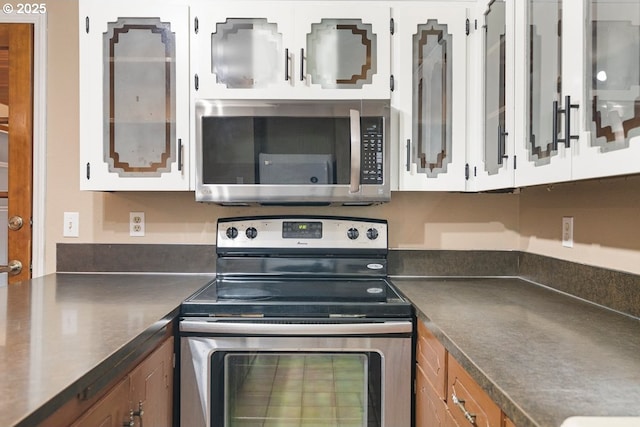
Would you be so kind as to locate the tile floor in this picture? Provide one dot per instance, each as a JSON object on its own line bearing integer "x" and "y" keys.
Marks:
{"x": 298, "y": 390}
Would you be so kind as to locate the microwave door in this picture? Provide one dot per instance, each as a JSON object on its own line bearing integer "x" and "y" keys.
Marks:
{"x": 354, "y": 119}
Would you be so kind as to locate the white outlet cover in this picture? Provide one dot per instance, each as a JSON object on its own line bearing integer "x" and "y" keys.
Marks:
{"x": 136, "y": 224}
{"x": 567, "y": 231}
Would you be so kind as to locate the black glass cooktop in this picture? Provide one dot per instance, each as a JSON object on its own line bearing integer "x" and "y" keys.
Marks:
{"x": 308, "y": 297}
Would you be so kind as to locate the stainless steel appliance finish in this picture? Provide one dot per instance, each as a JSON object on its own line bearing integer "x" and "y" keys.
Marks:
{"x": 292, "y": 152}
{"x": 301, "y": 325}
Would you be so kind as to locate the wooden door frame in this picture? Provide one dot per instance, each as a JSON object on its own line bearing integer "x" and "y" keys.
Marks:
{"x": 39, "y": 22}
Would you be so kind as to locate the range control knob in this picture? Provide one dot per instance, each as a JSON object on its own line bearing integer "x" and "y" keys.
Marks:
{"x": 251, "y": 232}
{"x": 372, "y": 234}
{"x": 232, "y": 232}
{"x": 353, "y": 233}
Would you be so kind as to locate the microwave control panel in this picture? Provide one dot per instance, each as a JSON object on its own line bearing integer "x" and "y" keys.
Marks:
{"x": 371, "y": 160}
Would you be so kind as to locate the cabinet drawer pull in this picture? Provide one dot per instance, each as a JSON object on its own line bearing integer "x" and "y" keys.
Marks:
{"x": 460, "y": 404}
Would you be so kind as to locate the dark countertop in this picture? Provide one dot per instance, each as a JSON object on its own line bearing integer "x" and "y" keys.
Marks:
{"x": 62, "y": 332}
{"x": 540, "y": 354}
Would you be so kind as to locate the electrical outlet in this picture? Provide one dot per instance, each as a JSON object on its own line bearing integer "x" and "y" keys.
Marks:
{"x": 71, "y": 224}
{"x": 567, "y": 231}
{"x": 136, "y": 224}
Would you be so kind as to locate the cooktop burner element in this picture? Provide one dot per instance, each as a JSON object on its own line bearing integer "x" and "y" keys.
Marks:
{"x": 294, "y": 266}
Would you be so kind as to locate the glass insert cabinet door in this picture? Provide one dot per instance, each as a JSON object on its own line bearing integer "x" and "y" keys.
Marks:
{"x": 139, "y": 91}
{"x": 584, "y": 58}
{"x": 495, "y": 125}
{"x": 491, "y": 157}
{"x": 542, "y": 155}
{"x": 613, "y": 74}
{"x": 431, "y": 73}
{"x": 141, "y": 104}
{"x": 248, "y": 50}
{"x": 544, "y": 87}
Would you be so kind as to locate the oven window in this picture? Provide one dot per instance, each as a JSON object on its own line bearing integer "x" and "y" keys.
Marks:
{"x": 296, "y": 389}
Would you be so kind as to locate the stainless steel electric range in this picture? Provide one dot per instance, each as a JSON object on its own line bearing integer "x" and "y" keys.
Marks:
{"x": 300, "y": 327}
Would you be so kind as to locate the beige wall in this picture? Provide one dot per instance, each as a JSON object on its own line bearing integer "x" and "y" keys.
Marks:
{"x": 605, "y": 213}
{"x": 606, "y": 221}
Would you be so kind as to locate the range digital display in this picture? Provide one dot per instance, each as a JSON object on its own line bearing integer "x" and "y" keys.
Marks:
{"x": 301, "y": 230}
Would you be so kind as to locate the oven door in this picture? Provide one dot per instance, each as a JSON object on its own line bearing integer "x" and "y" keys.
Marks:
{"x": 293, "y": 151}
{"x": 278, "y": 374}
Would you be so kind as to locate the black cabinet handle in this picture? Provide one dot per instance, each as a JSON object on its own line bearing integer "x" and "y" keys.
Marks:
{"x": 286, "y": 64}
{"x": 554, "y": 127}
{"x": 567, "y": 123}
{"x": 502, "y": 145}
{"x": 302, "y": 64}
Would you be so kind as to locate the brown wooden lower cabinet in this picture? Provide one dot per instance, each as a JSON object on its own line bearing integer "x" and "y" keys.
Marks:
{"x": 148, "y": 387}
{"x": 446, "y": 395}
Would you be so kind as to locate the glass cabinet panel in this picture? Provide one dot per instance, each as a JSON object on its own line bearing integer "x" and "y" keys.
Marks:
{"x": 341, "y": 53}
{"x": 432, "y": 78}
{"x": 247, "y": 53}
{"x": 613, "y": 73}
{"x": 495, "y": 87}
{"x": 139, "y": 97}
{"x": 544, "y": 80}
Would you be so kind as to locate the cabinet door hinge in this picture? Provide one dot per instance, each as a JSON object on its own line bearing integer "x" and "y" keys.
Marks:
{"x": 88, "y": 170}
{"x": 466, "y": 26}
{"x": 86, "y": 24}
{"x": 392, "y": 26}
{"x": 466, "y": 171}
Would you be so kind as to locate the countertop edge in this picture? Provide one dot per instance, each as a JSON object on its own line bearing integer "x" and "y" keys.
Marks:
{"x": 101, "y": 377}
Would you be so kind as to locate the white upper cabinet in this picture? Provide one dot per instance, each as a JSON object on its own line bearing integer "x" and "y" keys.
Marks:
{"x": 134, "y": 95}
{"x": 610, "y": 108}
{"x": 581, "y": 87}
{"x": 290, "y": 50}
{"x": 491, "y": 135}
{"x": 429, "y": 99}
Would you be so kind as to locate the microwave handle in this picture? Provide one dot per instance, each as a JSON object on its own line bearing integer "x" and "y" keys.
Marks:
{"x": 354, "y": 184}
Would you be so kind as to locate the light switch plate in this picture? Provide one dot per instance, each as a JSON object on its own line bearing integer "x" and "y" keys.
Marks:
{"x": 71, "y": 224}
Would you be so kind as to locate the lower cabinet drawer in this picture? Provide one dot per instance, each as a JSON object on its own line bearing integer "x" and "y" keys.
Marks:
{"x": 468, "y": 403}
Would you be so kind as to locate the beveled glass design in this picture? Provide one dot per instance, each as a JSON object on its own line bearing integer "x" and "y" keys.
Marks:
{"x": 139, "y": 96}
{"x": 613, "y": 73}
{"x": 544, "y": 81}
{"x": 341, "y": 54}
{"x": 494, "y": 86}
{"x": 432, "y": 95}
{"x": 247, "y": 53}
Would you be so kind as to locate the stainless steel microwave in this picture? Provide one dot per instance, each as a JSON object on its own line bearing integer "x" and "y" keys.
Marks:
{"x": 292, "y": 152}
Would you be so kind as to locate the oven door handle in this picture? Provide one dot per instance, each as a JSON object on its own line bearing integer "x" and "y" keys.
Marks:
{"x": 266, "y": 328}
